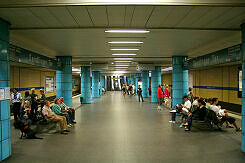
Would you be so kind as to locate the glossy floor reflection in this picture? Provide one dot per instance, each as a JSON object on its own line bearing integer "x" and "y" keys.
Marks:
{"x": 113, "y": 129}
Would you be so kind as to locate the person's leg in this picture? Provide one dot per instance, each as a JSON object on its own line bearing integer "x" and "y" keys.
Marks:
{"x": 68, "y": 119}
{"x": 142, "y": 97}
{"x": 15, "y": 111}
{"x": 139, "y": 97}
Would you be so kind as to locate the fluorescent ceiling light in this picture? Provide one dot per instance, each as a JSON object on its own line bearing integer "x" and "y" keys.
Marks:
{"x": 124, "y": 49}
{"x": 123, "y": 54}
{"x": 75, "y": 69}
{"x": 167, "y": 69}
{"x": 125, "y": 42}
{"x": 121, "y": 67}
{"x": 123, "y": 61}
{"x": 123, "y": 58}
{"x": 127, "y": 31}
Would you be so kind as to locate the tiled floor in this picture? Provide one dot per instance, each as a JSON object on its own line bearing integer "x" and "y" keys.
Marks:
{"x": 113, "y": 129}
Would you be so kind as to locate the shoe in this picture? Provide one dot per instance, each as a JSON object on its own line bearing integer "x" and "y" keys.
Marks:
{"x": 173, "y": 122}
{"x": 66, "y": 130}
{"x": 69, "y": 125}
{"x": 74, "y": 122}
{"x": 65, "y": 133}
{"x": 170, "y": 121}
{"x": 238, "y": 129}
{"x": 181, "y": 125}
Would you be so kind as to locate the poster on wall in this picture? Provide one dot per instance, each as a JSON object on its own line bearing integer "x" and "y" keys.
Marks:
{"x": 49, "y": 84}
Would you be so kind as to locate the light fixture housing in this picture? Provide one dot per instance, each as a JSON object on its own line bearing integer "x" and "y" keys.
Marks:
{"x": 123, "y": 54}
{"x": 123, "y": 58}
{"x": 127, "y": 31}
{"x": 123, "y": 61}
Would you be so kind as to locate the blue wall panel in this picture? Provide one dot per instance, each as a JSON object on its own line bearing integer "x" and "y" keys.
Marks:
{"x": 5, "y": 138}
{"x": 155, "y": 81}
{"x": 145, "y": 83}
{"x": 243, "y": 88}
{"x": 86, "y": 84}
{"x": 95, "y": 84}
{"x": 180, "y": 80}
{"x": 64, "y": 80}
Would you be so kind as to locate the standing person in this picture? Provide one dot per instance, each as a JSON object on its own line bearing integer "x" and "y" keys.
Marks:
{"x": 160, "y": 96}
{"x": 133, "y": 89}
{"x": 190, "y": 95}
{"x": 149, "y": 89}
{"x": 124, "y": 90}
{"x": 34, "y": 103}
{"x": 166, "y": 94}
{"x": 127, "y": 88}
{"x": 42, "y": 98}
{"x": 139, "y": 92}
{"x": 16, "y": 101}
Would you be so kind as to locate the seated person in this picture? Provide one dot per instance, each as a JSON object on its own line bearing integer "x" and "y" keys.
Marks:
{"x": 42, "y": 98}
{"x": 50, "y": 115}
{"x": 185, "y": 109}
{"x": 103, "y": 90}
{"x": 57, "y": 110}
{"x": 25, "y": 110}
{"x": 222, "y": 116}
{"x": 198, "y": 114}
{"x": 66, "y": 109}
{"x": 209, "y": 103}
{"x": 195, "y": 102}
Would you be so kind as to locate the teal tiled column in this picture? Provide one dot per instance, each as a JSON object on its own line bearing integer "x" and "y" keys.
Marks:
{"x": 243, "y": 87}
{"x": 102, "y": 82}
{"x": 145, "y": 83}
{"x": 85, "y": 84}
{"x": 95, "y": 84}
{"x": 138, "y": 75}
{"x": 5, "y": 129}
{"x": 180, "y": 80}
{"x": 64, "y": 80}
{"x": 155, "y": 81}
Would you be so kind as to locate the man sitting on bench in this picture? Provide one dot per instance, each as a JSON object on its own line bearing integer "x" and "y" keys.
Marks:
{"x": 66, "y": 109}
{"x": 185, "y": 109}
{"x": 50, "y": 115}
{"x": 222, "y": 114}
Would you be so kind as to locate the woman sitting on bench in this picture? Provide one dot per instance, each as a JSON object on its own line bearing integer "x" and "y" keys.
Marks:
{"x": 198, "y": 114}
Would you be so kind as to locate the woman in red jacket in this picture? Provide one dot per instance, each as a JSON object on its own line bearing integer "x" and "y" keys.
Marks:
{"x": 160, "y": 96}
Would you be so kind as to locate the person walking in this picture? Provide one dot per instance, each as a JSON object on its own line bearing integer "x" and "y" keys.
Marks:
{"x": 124, "y": 90}
{"x": 16, "y": 101}
{"x": 139, "y": 92}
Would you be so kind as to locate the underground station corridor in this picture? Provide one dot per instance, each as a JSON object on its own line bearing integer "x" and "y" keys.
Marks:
{"x": 122, "y": 81}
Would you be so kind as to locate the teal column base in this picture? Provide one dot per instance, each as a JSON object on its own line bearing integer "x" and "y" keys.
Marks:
{"x": 95, "y": 84}
{"x": 155, "y": 81}
{"x": 85, "y": 85}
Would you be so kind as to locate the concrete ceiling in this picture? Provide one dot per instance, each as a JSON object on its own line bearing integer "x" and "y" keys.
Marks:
{"x": 78, "y": 31}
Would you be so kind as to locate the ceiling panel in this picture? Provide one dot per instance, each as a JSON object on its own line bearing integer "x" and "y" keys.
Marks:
{"x": 63, "y": 15}
{"x": 129, "y": 15}
{"x": 159, "y": 16}
{"x": 176, "y": 15}
{"x": 141, "y": 15}
{"x": 211, "y": 15}
{"x": 98, "y": 15}
{"x": 80, "y": 15}
{"x": 194, "y": 15}
{"x": 45, "y": 16}
{"x": 116, "y": 15}
{"x": 236, "y": 20}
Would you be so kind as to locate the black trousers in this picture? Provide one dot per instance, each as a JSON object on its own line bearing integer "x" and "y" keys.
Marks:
{"x": 140, "y": 96}
{"x": 16, "y": 110}
{"x": 71, "y": 113}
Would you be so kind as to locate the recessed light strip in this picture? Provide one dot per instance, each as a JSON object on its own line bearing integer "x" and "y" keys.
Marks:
{"x": 124, "y": 49}
{"x": 127, "y": 31}
{"x": 123, "y": 54}
{"x": 125, "y": 42}
{"x": 123, "y": 58}
{"x": 123, "y": 61}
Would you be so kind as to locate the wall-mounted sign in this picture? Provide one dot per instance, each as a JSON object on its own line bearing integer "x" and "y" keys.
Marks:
{"x": 4, "y": 93}
{"x": 49, "y": 84}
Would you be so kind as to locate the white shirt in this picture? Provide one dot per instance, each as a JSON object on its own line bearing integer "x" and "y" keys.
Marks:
{"x": 215, "y": 108}
{"x": 187, "y": 104}
{"x": 16, "y": 98}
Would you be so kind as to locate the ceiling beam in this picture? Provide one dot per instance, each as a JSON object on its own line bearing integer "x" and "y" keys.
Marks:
{"x": 105, "y": 27}
{"x": 45, "y": 3}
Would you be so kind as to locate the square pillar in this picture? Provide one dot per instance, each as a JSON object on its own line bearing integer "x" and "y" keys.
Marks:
{"x": 145, "y": 83}
{"x": 85, "y": 84}
{"x": 137, "y": 79}
{"x": 155, "y": 81}
{"x": 5, "y": 128}
{"x": 64, "y": 79}
{"x": 180, "y": 80}
{"x": 102, "y": 82}
{"x": 243, "y": 87}
{"x": 95, "y": 84}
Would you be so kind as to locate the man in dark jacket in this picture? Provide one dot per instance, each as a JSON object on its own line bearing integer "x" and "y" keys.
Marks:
{"x": 139, "y": 92}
